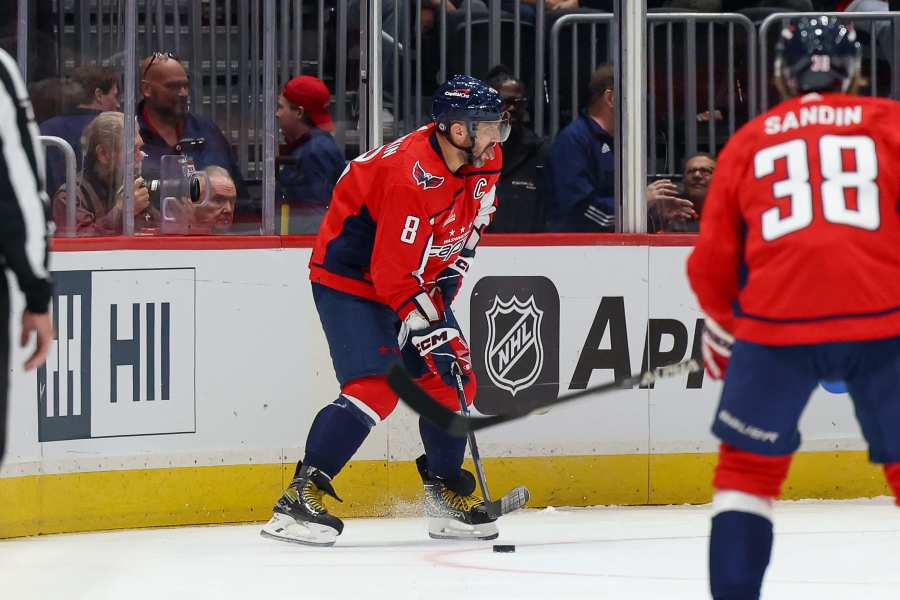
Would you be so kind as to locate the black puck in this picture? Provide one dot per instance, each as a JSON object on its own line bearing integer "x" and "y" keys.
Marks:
{"x": 504, "y": 548}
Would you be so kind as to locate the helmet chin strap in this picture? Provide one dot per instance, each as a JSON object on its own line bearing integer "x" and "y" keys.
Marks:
{"x": 470, "y": 156}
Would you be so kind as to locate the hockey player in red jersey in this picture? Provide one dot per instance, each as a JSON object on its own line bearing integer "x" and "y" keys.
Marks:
{"x": 797, "y": 272}
{"x": 399, "y": 236}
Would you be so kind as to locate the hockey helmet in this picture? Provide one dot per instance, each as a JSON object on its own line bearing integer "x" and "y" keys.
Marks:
{"x": 817, "y": 54}
{"x": 470, "y": 101}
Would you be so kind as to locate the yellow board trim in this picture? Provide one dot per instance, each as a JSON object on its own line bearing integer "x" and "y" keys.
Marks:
{"x": 92, "y": 501}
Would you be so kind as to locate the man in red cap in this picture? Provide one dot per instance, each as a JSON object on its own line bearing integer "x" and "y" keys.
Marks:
{"x": 311, "y": 160}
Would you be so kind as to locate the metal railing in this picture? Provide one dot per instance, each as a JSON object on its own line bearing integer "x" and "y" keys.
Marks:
{"x": 69, "y": 229}
{"x": 596, "y": 22}
{"x": 698, "y": 63}
{"x": 870, "y": 63}
{"x": 695, "y": 80}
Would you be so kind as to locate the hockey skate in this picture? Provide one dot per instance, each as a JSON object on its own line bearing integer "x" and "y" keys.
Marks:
{"x": 455, "y": 512}
{"x": 300, "y": 516}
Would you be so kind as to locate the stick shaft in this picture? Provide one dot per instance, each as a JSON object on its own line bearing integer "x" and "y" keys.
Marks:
{"x": 473, "y": 445}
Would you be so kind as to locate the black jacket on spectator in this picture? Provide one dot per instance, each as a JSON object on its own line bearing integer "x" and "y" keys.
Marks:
{"x": 520, "y": 189}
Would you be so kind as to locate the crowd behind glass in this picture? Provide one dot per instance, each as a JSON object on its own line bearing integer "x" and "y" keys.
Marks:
{"x": 561, "y": 184}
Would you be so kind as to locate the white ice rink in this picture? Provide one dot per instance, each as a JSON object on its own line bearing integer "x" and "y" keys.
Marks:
{"x": 823, "y": 550}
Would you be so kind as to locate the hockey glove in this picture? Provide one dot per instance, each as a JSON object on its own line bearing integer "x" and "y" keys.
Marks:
{"x": 441, "y": 345}
{"x": 450, "y": 279}
{"x": 716, "y": 348}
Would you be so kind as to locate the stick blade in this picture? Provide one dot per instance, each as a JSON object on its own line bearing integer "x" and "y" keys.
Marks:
{"x": 514, "y": 499}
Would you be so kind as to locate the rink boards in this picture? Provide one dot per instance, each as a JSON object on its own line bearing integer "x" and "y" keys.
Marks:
{"x": 184, "y": 382}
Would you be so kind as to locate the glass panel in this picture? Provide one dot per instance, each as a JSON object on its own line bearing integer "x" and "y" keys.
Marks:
{"x": 702, "y": 86}
{"x": 74, "y": 73}
{"x": 318, "y": 107}
{"x": 199, "y": 96}
{"x": 512, "y": 45}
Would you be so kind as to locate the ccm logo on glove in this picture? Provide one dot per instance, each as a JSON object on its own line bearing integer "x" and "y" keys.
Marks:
{"x": 426, "y": 343}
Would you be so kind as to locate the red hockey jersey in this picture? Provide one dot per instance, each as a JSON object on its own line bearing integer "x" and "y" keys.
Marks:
{"x": 398, "y": 216}
{"x": 800, "y": 230}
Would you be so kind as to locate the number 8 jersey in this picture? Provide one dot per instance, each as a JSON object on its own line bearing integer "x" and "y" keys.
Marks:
{"x": 398, "y": 216}
{"x": 800, "y": 232}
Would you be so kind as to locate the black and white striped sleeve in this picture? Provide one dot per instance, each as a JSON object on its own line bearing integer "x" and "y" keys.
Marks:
{"x": 23, "y": 202}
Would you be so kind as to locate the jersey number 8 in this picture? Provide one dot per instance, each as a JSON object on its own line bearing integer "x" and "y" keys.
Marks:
{"x": 835, "y": 179}
{"x": 408, "y": 235}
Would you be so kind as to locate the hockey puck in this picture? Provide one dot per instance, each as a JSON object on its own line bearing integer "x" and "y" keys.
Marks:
{"x": 504, "y": 548}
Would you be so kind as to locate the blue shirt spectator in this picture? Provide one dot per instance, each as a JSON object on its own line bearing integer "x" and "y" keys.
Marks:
{"x": 215, "y": 150}
{"x": 311, "y": 160}
{"x": 581, "y": 171}
{"x": 99, "y": 88}
{"x": 313, "y": 166}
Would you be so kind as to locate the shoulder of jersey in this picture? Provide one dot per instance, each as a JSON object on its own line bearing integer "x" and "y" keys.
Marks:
{"x": 414, "y": 162}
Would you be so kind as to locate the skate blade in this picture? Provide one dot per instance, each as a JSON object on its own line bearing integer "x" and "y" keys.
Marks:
{"x": 450, "y": 529}
{"x": 285, "y": 529}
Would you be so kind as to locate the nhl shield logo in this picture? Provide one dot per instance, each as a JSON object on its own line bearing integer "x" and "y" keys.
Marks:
{"x": 514, "y": 354}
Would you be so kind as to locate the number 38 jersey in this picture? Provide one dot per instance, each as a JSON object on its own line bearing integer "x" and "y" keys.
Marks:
{"x": 398, "y": 216}
{"x": 800, "y": 233}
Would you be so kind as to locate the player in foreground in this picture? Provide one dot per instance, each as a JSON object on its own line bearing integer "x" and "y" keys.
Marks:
{"x": 796, "y": 269}
{"x": 399, "y": 235}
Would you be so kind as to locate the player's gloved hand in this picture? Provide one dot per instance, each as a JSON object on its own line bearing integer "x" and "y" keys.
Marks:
{"x": 716, "y": 342}
{"x": 440, "y": 346}
{"x": 450, "y": 279}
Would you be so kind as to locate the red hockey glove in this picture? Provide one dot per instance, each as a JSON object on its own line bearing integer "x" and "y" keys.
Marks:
{"x": 441, "y": 345}
{"x": 716, "y": 348}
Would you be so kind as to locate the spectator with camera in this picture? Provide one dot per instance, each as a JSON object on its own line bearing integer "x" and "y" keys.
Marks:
{"x": 521, "y": 208}
{"x": 311, "y": 161}
{"x": 100, "y": 187}
{"x": 99, "y": 92}
{"x": 168, "y": 127}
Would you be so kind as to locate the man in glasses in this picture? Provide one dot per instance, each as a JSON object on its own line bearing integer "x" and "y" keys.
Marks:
{"x": 169, "y": 127}
{"x": 399, "y": 235}
{"x": 522, "y": 210}
{"x": 681, "y": 213}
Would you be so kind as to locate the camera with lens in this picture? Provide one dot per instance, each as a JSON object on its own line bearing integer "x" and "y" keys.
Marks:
{"x": 178, "y": 177}
{"x": 180, "y": 189}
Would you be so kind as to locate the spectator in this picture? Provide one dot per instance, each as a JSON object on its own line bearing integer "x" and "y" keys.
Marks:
{"x": 521, "y": 207}
{"x": 311, "y": 158}
{"x": 581, "y": 173}
{"x": 581, "y": 168}
{"x": 99, "y": 92}
{"x": 165, "y": 121}
{"x": 217, "y": 213}
{"x": 54, "y": 96}
{"x": 100, "y": 198}
{"x": 682, "y": 214}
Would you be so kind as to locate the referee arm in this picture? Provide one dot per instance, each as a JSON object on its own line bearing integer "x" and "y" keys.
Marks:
{"x": 23, "y": 208}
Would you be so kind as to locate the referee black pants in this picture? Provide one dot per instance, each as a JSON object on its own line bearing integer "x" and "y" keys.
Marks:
{"x": 4, "y": 358}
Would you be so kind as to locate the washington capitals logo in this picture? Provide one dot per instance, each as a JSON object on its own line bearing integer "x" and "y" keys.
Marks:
{"x": 426, "y": 179}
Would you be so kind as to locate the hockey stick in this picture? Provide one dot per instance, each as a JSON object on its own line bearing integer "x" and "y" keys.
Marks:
{"x": 419, "y": 400}
{"x": 515, "y": 498}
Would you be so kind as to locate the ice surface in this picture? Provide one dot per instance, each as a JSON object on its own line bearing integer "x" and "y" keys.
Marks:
{"x": 823, "y": 550}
